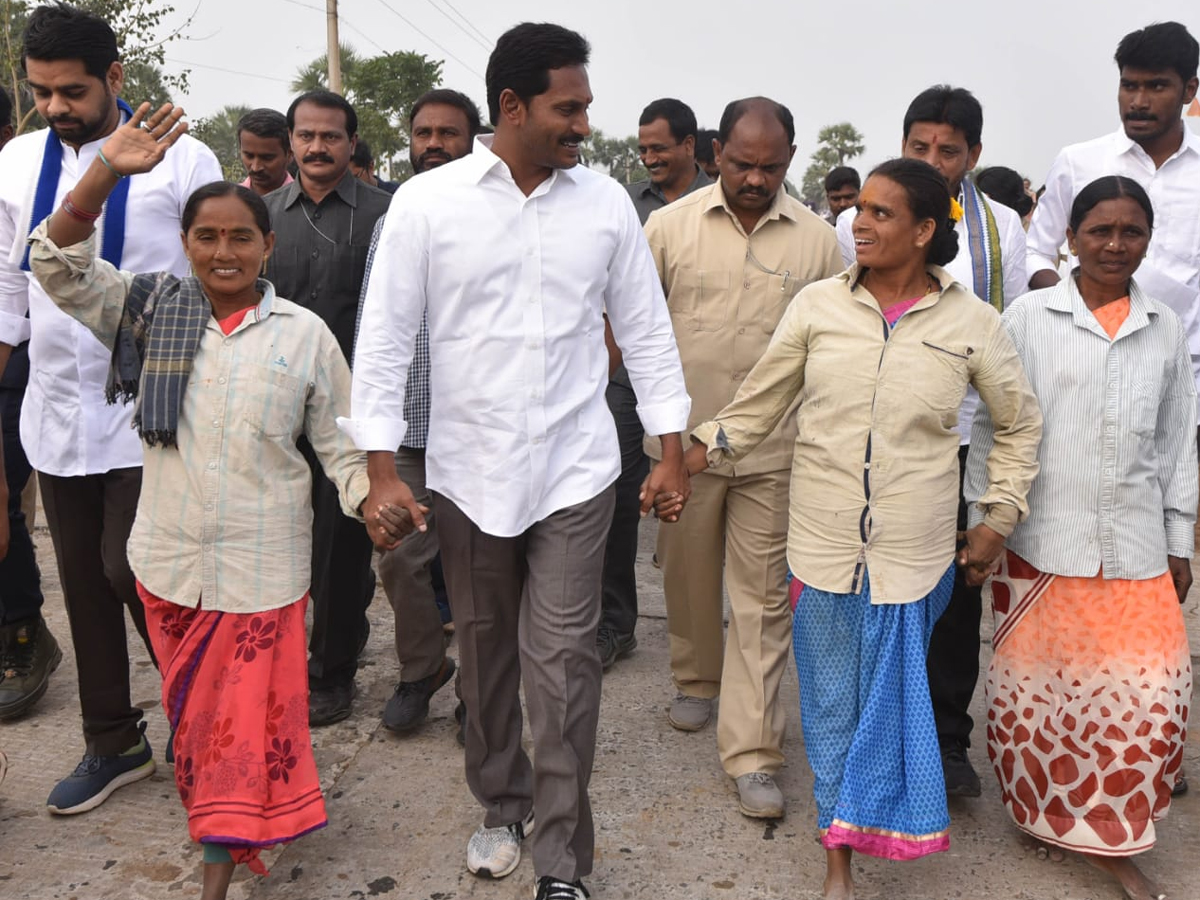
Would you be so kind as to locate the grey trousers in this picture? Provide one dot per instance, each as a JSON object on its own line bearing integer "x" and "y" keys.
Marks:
{"x": 526, "y": 608}
{"x": 405, "y": 573}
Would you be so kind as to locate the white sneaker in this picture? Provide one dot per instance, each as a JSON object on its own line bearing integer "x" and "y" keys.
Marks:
{"x": 495, "y": 852}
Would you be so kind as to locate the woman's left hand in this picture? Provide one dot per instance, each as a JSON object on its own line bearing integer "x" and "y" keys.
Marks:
{"x": 141, "y": 143}
{"x": 1181, "y": 575}
{"x": 981, "y": 555}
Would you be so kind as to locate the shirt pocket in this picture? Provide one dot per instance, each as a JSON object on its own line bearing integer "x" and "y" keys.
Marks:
{"x": 1144, "y": 408}
{"x": 943, "y": 374}
{"x": 699, "y": 299}
{"x": 781, "y": 289}
{"x": 272, "y": 401}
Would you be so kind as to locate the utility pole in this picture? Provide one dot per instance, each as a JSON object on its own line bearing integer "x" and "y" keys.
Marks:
{"x": 334, "y": 52}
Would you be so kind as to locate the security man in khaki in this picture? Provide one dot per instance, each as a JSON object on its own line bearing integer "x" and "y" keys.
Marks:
{"x": 731, "y": 257}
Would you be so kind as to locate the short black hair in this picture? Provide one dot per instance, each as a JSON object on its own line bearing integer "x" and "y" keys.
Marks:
{"x": 328, "y": 100}
{"x": 266, "y": 123}
{"x": 362, "y": 156}
{"x": 57, "y": 31}
{"x": 1158, "y": 47}
{"x": 1007, "y": 187}
{"x": 680, "y": 119}
{"x": 704, "y": 147}
{"x": 945, "y": 105}
{"x": 1109, "y": 187}
{"x": 447, "y": 97}
{"x": 738, "y": 108}
{"x": 6, "y": 108}
{"x": 262, "y": 218}
{"x": 525, "y": 55}
{"x": 842, "y": 176}
{"x": 928, "y": 198}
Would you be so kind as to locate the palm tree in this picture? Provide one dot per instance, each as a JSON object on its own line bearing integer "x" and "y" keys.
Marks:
{"x": 315, "y": 75}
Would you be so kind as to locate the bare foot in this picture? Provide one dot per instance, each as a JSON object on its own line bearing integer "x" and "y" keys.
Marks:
{"x": 1136, "y": 885}
{"x": 839, "y": 885}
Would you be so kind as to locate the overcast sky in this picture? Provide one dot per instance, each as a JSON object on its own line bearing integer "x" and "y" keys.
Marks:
{"x": 1043, "y": 69}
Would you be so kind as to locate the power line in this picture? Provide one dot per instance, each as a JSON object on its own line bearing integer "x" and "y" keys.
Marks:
{"x": 411, "y": 25}
{"x": 490, "y": 42}
{"x": 343, "y": 19}
{"x": 184, "y": 62}
{"x": 459, "y": 26}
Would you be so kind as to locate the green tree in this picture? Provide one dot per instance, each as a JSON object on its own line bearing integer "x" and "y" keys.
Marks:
{"x": 219, "y": 132}
{"x": 836, "y": 144}
{"x": 141, "y": 43}
{"x": 382, "y": 88}
{"x": 618, "y": 157}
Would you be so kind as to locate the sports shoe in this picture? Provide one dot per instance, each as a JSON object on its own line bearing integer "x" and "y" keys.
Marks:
{"x": 758, "y": 796}
{"x": 495, "y": 852}
{"x": 689, "y": 713}
{"x": 409, "y": 705}
{"x": 96, "y": 777}
{"x": 552, "y": 889}
{"x": 28, "y": 654}
{"x": 613, "y": 645}
{"x": 961, "y": 780}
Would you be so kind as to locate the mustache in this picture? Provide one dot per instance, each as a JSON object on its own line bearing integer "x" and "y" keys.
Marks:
{"x": 751, "y": 192}
{"x": 64, "y": 122}
{"x": 434, "y": 154}
{"x": 1135, "y": 116}
{"x": 318, "y": 157}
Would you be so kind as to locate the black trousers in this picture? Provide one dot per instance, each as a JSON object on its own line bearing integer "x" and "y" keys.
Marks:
{"x": 619, "y": 603}
{"x": 20, "y": 582}
{"x": 90, "y": 517}
{"x": 343, "y": 583}
{"x": 953, "y": 660}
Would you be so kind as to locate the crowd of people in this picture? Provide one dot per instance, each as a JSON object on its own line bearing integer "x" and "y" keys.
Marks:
{"x": 245, "y": 400}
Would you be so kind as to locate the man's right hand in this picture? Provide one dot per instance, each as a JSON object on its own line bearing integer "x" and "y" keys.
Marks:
{"x": 390, "y": 510}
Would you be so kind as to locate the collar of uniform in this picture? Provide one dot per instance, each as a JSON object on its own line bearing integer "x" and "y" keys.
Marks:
{"x": 699, "y": 180}
{"x": 483, "y": 161}
{"x": 780, "y": 207}
{"x": 1126, "y": 144}
{"x": 1065, "y": 297}
{"x": 346, "y": 190}
{"x": 266, "y": 307}
{"x": 944, "y": 279}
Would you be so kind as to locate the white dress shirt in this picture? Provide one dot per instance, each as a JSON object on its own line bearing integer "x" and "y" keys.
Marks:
{"x": 516, "y": 289}
{"x": 67, "y": 428}
{"x": 1012, "y": 264}
{"x": 1116, "y": 490}
{"x": 1170, "y": 273}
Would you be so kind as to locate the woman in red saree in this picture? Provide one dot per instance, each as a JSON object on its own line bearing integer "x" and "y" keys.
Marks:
{"x": 1090, "y": 681}
{"x": 226, "y": 377}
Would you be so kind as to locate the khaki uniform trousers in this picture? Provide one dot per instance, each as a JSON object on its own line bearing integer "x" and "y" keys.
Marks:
{"x": 736, "y": 526}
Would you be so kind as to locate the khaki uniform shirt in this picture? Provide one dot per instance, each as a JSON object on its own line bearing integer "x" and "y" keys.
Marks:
{"x": 727, "y": 291}
{"x": 874, "y": 484}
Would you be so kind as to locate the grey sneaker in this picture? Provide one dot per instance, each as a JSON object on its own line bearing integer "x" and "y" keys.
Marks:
{"x": 759, "y": 797}
{"x": 495, "y": 852}
{"x": 689, "y": 713}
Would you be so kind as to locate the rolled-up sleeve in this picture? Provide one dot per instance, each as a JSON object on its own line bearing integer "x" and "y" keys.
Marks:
{"x": 1175, "y": 449}
{"x": 1002, "y": 466}
{"x": 641, "y": 325}
{"x": 89, "y": 289}
{"x": 390, "y": 317}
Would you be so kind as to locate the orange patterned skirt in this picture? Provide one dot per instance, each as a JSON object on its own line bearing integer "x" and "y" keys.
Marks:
{"x": 1087, "y": 699}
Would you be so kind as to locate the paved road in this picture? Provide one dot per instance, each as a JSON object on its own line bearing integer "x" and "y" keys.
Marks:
{"x": 400, "y": 812}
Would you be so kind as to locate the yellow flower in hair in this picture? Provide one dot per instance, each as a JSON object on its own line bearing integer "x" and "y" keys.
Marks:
{"x": 956, "y": 211}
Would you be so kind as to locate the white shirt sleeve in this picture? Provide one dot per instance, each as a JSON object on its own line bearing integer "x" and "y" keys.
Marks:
{"x": 14, "y": 284}
{"x": 1048, "y": 228}
{"x": 1012, "y": 252}
{"x": 845, "y": 236}
{"x": 641, "y": 324}
{"x": 392, "y": 310}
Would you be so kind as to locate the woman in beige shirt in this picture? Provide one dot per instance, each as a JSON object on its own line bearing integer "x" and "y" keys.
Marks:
{"x": 880, "y": 358}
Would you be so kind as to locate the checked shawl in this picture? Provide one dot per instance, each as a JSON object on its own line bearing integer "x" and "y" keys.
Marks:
{"x": 161, "y": 327}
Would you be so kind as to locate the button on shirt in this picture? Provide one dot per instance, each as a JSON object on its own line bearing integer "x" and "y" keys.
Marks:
{"x": 321, "y": 249}
{"x": 727, "y": 291}
{"x": 515, "y": 287}
{"x": 67, "y": 428}
{"x": 961, "y": 268}
{"x": 1170, "y": 273}
{"x": 875, "y": 466}
{"x": 227, "y": 515}
{"x": 1117, "y": 487}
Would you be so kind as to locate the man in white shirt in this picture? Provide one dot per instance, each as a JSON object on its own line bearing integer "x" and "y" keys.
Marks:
{"x": 516, "y": 253}
{"x": 944, "y": 127}
{"x": 1155, "y": 148}
{"x": 87, "y": 457}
